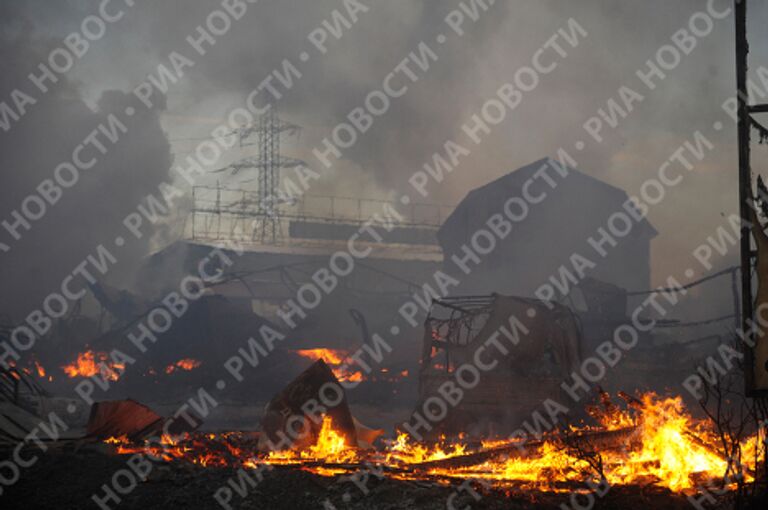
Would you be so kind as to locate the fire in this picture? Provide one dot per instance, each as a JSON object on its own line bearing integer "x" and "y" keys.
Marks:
{"x": 40, "y": 369}
{"x": 335, "y": 360}
{"x": 402, "y": 451}
{"x": 667, "y": 448}
{"x": 658, "y": 443}
{"x": 673, "y": 448}
{"x": 90, "y": 363}
{"x": 186, "y": 364}
{"x": 330, "y": 447}
{"x": 330, "y": 356}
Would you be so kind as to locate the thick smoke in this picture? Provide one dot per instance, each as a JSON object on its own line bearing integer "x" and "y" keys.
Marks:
{"x": 622, "y": 37}
{"x": 335, "y": 83}
{"x": 89, "y": 213}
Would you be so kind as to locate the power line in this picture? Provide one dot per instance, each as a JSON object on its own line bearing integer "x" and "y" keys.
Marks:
{"x": 268, "y": 131}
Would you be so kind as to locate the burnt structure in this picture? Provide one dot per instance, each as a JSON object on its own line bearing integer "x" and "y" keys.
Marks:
{"x": 565, "y": 212}
{"x": 263, "y": 280}
{"x": 518, "y": 350}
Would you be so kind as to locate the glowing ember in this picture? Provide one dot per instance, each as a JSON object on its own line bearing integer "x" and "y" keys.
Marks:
{"x": 185, "y": 364}
{"x": 663, "y": 446}
{"x": 392, "y": 375}
{"x": 335, "y": 360}
{"x": 90, "y": 363}
{"x": 40, "y": 369}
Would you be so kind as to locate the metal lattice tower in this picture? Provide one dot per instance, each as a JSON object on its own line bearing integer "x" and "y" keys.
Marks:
{"x": 268, "y": 130}
{"x": 268, "y": 223}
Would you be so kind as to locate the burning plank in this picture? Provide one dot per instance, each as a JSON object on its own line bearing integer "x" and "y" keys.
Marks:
{"x": 660, "y": 449}
{"x": 602, "y": 439}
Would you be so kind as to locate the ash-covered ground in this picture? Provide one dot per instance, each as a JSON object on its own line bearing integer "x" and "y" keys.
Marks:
{"x": 67, "y": 481}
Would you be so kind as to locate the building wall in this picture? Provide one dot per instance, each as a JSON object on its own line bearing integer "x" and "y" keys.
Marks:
{"x": 542, "y": 244}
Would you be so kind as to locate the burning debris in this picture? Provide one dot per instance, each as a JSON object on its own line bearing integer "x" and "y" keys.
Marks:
{"x": 90, "y": 363}
{"x": 308, "y": 426}
{"x": 227, "y": 313}
{"x": 649, "y": 440}
{"x": 472, "y": 331}
{"x": 132, "y": 422}
{"x": 284, "y": 424}
{"x": 336, "y": 360}
{"x": 185, "y": 365}
{"x": 662, "y": 445}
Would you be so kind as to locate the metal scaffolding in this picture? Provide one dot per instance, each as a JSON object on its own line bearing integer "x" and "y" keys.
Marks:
{"x": 227, "y": 214}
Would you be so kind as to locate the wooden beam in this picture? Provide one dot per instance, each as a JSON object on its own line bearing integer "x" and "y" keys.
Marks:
{"x": 602, "y": 439}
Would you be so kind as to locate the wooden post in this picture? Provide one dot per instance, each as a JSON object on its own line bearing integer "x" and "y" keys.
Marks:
{"x": 194, "y": 212}
{"x": 735, "y": 288}
{"x": 745, "y": 185}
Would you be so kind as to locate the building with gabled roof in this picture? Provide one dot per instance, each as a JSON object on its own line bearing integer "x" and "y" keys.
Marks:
{"x": 565, "y": 209}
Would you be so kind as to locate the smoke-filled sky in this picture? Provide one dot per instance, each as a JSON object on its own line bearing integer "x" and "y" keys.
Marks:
{"x": 622, "y": 36}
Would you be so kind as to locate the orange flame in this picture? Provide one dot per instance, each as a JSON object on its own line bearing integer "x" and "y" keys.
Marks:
{"x": 404, "y": 452}
{"x": 40, "y": 369}
{"x": 335, "y": 360}
{"x": 664, "y": 446}
{"x": 185, "y": 364}
{"x": 90, "y": 363}
{"x": 330, "y": 356}
{"x": 330, "y": 447}
{"x": 668, "y": 449}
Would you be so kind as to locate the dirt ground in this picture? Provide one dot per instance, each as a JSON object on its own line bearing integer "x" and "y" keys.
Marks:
{"x": 67, "y": 481}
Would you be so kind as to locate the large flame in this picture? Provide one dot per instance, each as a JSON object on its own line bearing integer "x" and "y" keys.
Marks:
{"x": 90, "y": 363}
{"x": 673, "y": 448}
{"x": 329, "y": 447}
{"x": 664, "y": 446}
{"x": 667, "y": 448}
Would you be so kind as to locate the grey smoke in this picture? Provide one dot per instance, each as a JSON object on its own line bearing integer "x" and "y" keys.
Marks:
{"x": 622, "y": 36}
{"x": 91, "y": 212}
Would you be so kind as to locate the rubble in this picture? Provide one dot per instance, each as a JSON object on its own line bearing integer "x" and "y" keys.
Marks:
{"x": 127, "y": 418}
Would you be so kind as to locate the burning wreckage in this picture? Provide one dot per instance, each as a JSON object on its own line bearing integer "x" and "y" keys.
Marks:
{"x": 498, "y": 401}
{"x": 489, "y": 401}
{"x": 478, "y": 428}
{"x": 377, "y": 298}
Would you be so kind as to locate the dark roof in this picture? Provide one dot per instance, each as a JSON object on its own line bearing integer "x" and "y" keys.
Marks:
{"x": 515, "y": 179}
